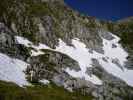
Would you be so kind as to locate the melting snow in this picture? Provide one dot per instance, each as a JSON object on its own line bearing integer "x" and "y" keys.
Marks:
{"x": 119, "y": 54}
{"x": 23, "y": 41}
{"x": 27, "y": 43}
{"x": 114, "y": 53}
{"x": 82, "y": 55}
{"x": 79, "y": 53}
{"x": 44, "y": 81}
{"x": 11, "y": 70}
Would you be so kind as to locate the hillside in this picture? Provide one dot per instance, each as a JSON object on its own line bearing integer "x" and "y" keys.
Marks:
{"x": 51, "y": 52}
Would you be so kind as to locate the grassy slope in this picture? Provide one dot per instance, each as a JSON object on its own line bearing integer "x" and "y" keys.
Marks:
{"x": 10, "y": 91}
{"x": 126, "y": 34}
{"x": 124, "y": 30}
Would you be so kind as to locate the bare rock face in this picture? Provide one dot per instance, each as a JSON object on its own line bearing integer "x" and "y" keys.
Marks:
{"x": 51, "y": 64}
{"x": 9, "y": 46}
{"x": 115, "y": 87}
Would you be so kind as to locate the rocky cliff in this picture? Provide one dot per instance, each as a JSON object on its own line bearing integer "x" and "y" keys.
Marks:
{"x": 46, "y": 41}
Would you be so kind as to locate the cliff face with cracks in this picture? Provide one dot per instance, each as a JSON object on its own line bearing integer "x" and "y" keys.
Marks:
{"x": 74, "y": 51}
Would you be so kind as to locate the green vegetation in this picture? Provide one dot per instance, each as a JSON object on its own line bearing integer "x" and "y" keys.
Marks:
{"x": 26, "y": 14}
{"x": 125, "y": 31}
{"x": 10, "y": 91}
{"x": 38, "y": 9}
{"x": 90, "y": 24}
{"x": 127, "y": 39}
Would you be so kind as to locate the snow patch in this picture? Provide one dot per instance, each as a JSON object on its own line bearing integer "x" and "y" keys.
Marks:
{"x": 119, "y": 55}
{"x": 27, "y": 43}
{"x": 44, "y": 81}
{"x": 82, "y": 55}
{"x": 23, "y": 41}
{"x": 114, "y": 53}
{"x": 11, "y": 70}
{"x": 79, "y": 53}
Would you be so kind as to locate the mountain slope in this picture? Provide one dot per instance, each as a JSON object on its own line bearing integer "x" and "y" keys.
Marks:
{"x": 9, "y": 91}
{"x": 58, "y": 45}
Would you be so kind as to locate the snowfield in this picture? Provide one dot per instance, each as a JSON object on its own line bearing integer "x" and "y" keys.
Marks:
{"x": 79, "y": 53}
{"x": 11, "y": 70}
{"x": 70, "y": 51}
{"x": 113, "y": 62}
{"x": 82, "y": 55}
